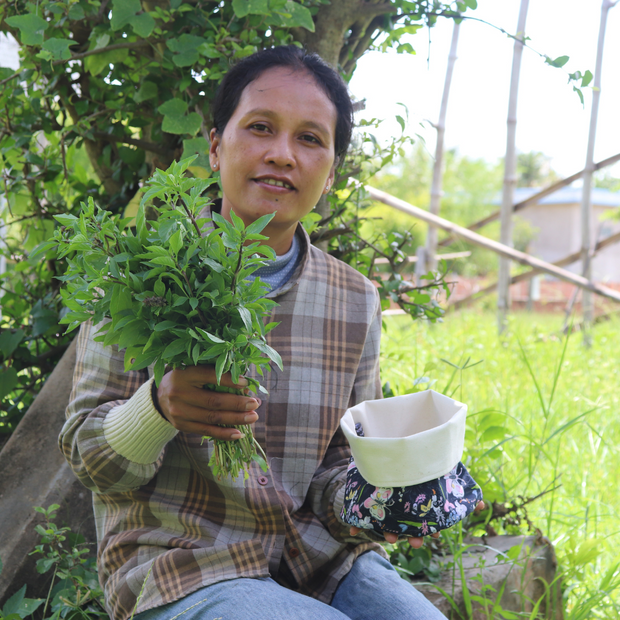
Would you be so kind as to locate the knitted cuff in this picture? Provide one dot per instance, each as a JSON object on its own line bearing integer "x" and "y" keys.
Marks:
{"x": 136, "y": 430}
{"x": 338, "y": 504}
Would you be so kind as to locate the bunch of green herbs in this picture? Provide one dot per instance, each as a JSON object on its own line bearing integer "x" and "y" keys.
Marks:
{"x": 174, "y": 293}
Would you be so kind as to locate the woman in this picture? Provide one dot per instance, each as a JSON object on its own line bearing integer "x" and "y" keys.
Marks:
{"x": 271, "y": 547}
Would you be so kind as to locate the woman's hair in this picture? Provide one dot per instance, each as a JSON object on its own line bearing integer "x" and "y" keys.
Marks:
{"x": 251, "y": 67}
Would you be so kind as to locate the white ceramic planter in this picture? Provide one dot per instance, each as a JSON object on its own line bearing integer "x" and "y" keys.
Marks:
{"x": 407, "y": 439}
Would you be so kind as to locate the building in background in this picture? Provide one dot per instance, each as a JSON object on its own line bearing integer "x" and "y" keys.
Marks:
{"x": 556, "y": 223}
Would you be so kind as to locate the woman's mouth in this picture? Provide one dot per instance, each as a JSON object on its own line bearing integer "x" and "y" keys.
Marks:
{"x": 275, "y": 183}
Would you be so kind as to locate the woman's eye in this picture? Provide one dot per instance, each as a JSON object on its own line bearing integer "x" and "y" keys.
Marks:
{"x": 310, "y": 138}
{"x": 259, "y": 127}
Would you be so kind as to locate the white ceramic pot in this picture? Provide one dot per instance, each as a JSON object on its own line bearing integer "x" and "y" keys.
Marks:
{"x": 407, "y": 439}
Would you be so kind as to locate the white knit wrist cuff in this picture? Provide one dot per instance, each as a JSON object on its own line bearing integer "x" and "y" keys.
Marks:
{"x": 338, "y": 503}
{"x": 136, "y": 430}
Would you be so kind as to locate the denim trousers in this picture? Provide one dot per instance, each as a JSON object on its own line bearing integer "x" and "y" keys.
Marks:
{"x": 372, "y": 590}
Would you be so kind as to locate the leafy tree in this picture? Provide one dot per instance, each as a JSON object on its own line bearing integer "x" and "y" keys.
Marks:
{"x": 471, "y": 187}
{"x": 534, "y": 170}
{"x": 109, "y": 91}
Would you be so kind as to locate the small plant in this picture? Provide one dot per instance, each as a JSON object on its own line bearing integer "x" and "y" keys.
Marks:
{"x": 173, "y": 294}
{"x": 74, "y": 590}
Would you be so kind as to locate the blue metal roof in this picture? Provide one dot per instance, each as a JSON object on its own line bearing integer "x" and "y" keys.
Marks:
{"x": 570, "y": 195}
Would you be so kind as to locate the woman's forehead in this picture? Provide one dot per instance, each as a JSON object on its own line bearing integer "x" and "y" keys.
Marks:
{"x": 278, "y": 87}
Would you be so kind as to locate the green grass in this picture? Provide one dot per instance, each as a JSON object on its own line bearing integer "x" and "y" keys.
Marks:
{"x": 543, "y": 417}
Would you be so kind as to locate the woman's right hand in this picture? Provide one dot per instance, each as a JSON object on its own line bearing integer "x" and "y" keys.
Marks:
{"x": 192, "y": 409}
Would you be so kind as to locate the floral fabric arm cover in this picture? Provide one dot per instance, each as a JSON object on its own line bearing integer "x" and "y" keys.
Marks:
{"x": 416, "y": 510}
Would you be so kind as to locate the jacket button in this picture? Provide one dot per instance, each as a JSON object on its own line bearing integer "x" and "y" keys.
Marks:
{"x": 263, "y": 480}
{"x": 293, "y": 552}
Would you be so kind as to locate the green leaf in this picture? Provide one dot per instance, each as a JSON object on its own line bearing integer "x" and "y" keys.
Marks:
{"x": 165, "y": 326}
{"x": 173, "y": 107}
{"x": 182, "y": 124}
{"x": 121, "y": 300}
{"x": 96, "y": 63}
{"x": 246, "y": 317}
{"x": 123, "y": 11}
{"x": 493, "y": 433}
{"x": 31, "y": 28}
{"x": 66, "y": 219}
{"x": 76, "y": 12}
{"x": 8, "y": 381}
{"x": 9, "y": 341}
{"x": 173, "y": 349}
{"x": 176, "y": 242}
{"x": 186, "y": 49}
{"x": 59, "y": 48}
{"x": 220, "y": 366}
{"x": 147, "y": 90}
{"x": 271, "y": 353}
{"x": 259, "y": 225}
{"x": 560, "y": 61}
{"x": 158, "y": 370}
{"x": 142, "y": 25}
{"x": 164, "y": 260}
{"x": 242, "y": 8}
{"x": 197, "y": 146}
{"x": 299, "y": 16}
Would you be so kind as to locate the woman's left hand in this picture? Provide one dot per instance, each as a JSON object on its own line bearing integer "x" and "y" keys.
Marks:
{"x": 414, "y": 541}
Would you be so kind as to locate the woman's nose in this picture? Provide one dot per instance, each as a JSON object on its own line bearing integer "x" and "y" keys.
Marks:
{"x": 281, "y": 152}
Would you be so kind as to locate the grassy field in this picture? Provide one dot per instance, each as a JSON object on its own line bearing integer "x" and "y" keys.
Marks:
{"x": 543, "y": 419}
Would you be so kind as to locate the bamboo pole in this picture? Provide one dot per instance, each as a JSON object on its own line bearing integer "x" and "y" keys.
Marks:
{"x": 510, "y": 173}
{"x": 489, "y": 244}
{"x": 526, "y": 275}
{"x": 534, "y": 198}
{"x": 436, "y": 187}
{"x": 586, "y": 199}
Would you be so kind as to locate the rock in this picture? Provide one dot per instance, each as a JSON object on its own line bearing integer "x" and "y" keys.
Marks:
{"x": 34, "y": 473}
{"x": 528, "y": 580}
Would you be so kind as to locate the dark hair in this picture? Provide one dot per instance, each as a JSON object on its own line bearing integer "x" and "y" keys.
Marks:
{"x": 251, "y": 67}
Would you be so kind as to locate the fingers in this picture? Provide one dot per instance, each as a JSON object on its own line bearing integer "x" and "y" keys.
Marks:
{"x": 414, "y": 541}
{"x": 192, "y": 409}
{"x": 480, "y": 506}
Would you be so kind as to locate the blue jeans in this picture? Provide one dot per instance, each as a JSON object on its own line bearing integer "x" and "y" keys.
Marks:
{"x": 372, "y": 590}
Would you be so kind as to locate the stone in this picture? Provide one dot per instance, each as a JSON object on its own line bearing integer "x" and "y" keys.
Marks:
{"x": 35, "y": 473}
{"x": 527, "y": 580}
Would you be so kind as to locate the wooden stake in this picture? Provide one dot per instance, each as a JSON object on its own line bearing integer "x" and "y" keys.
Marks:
{"x": 534, "y": 198}
{"x": 436, "y": 188}
{"x": 510, "y": 173}
{"x": 489, "y": 244}
{"x": 586, "y": 199}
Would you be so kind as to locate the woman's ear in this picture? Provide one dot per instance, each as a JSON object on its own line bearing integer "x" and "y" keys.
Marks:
{"x": 214, "y": 150}
{"x": 330, "y": 179}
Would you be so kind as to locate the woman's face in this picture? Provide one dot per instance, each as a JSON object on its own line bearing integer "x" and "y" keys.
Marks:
{"x": 276, "y": 154}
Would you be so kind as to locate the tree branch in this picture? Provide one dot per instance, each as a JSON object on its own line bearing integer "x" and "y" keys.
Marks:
{"x": 377, "y": 9}
{"x": 141, "y": 144}
{"x": 109, "y": 48}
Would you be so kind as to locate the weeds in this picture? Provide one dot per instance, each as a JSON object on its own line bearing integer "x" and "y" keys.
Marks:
{"x": 540, "y": 441}
{"x": 74, "y": 592}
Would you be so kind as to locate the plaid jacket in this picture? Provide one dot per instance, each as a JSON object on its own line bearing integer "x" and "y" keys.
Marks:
{"x": 159, "y": 510}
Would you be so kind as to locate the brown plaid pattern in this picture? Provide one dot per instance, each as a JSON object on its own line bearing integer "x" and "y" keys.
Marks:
{"x": 174, "y": 519}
